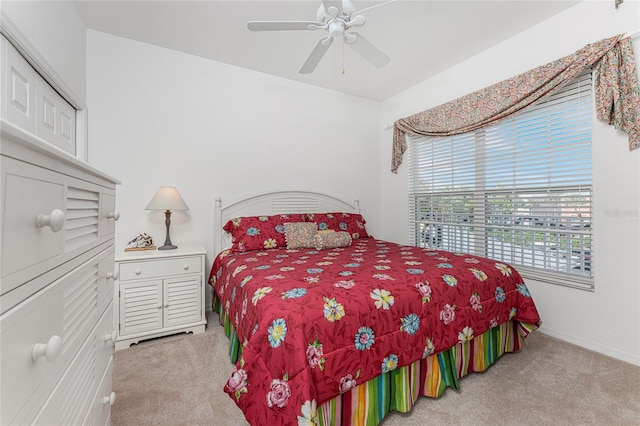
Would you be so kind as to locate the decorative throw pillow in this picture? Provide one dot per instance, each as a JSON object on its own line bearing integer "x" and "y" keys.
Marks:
{"x": 300, "y": 234}
{"x": 353, "y": 223}
{"x": 331, "y": 240}
{"x": 259, "y": 232}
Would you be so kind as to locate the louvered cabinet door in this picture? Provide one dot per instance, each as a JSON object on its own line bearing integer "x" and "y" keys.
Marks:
{"x": 183, "y": 303}
{"x": 140, "y": 307}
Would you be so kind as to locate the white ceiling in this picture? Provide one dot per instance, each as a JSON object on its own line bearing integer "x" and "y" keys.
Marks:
{"x": 422, "y": 38}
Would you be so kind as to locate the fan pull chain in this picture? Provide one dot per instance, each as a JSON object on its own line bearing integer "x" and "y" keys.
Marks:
{"x": 342, "y": 72}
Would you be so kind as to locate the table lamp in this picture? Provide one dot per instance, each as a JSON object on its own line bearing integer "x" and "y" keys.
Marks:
{"x": 167, "y": 198}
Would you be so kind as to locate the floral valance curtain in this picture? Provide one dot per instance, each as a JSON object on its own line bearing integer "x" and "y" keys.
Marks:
{"x": 617, "y": 96}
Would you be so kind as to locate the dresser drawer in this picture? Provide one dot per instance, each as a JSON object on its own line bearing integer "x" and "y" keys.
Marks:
{"x": 47, "y": 218}
{"x": 62, "y": 315}
{"x": 107, "y": 273}
{"x": 29, "y": 191}
{"x": 108, "y": 214}
{"x": 26, "y": 382}
{"x": 160, "y": 268}
{"x": 100, "y": 413}
{"x": 105, "y": 339}
{"x": 73, "y": 396}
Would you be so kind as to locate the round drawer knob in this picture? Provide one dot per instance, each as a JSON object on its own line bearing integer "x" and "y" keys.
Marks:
{"x": 186, "y": 267}
{"x": 111, "y": 337}
{"x": 111, "y": 399}
{"x": 50, "y": 350}
{"x": 113, "y": 275}
{"x": 55, "y": 220}
{"x": 138, "y": 271}
{"x": 115, "y": 215}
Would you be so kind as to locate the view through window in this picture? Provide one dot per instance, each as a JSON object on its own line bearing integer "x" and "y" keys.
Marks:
{"x": 519, "y": 191}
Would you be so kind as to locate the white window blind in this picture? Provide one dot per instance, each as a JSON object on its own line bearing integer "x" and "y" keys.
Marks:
{"x": 519, "y": 191}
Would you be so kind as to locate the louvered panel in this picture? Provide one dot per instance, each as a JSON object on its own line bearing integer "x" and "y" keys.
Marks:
{"x": 183, "y": 297}
{"x": 297, "y": 205}
{"x": 140, "y": 305}
{"x": 80, "y": 306}
{"x": 82, "y": 214}
{"x": 78, "y": 391}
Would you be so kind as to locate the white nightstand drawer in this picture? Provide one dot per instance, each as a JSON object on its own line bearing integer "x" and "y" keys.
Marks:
{"x": 160, "y": 268}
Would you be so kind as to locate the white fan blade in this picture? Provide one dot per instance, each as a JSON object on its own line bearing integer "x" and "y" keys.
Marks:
{"x": 280, "y": 25}
{"x": 332, "y": 3}
{"x": 374, "y": 6}
{"x": 315, "y": 56}
{"x": 368, "y": 51}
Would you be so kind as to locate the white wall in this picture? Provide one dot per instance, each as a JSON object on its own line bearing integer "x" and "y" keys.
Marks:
{"x": 160, "y": 117}
{"x": 57, "y": 31}
{"x": 608, "y": 319}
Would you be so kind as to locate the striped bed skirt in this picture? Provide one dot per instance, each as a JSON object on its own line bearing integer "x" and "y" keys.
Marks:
{"x": 368, "y": 403}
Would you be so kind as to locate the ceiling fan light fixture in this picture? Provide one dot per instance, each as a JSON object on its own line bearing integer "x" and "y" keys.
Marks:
{"x": 336, "y": 17}
{"x": 336, "y": 28}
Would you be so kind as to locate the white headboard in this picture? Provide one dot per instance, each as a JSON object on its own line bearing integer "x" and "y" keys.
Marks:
{"x": 271, "y": 203}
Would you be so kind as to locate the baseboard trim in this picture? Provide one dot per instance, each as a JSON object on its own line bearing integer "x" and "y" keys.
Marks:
{"x": 593, "y": 346}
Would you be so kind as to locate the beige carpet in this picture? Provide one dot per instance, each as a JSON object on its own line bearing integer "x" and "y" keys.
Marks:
{"x": 178, "y": 380}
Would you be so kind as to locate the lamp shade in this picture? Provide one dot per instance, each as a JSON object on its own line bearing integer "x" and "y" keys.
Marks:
{"x": 167, "y": 198}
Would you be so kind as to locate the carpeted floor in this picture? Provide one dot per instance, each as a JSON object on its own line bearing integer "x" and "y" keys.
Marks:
{"x": 178, "y": 380}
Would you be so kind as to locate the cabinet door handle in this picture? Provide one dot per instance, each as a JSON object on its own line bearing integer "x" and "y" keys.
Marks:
{"x": 115, "y": 215}
{"x": 111, "y": 399}
{"x": 51, "y": 350}
{"x": 159, "y": 305}
{"x": 186, "y": 267}
{"x": 113, "y": 275}
{"x": 111, "y": 337}
{"x": 55, "y": 220}
{"x": 138, "y": 271}
{"x": 166, "y": 305}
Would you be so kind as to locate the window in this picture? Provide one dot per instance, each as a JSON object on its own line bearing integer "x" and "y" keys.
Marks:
{"x": 519, "y": 191}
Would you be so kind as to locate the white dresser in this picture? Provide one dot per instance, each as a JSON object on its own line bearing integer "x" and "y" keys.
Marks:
{"x": 57, "y": 219}
{"x": 160, "y": 292}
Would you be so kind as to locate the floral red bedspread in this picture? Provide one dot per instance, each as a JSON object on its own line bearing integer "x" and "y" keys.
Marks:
{"x": 313, "y": 324}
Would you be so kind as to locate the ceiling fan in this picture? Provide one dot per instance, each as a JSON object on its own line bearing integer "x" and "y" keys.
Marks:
{"x": 337, "y": 18}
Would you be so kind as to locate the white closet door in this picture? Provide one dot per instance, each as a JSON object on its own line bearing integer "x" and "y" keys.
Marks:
{"x": 18, "y": 89}
{"x": 56, "y": 119}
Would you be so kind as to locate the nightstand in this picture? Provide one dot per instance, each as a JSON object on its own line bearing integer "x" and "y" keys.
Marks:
{"x": 159, "y": 292}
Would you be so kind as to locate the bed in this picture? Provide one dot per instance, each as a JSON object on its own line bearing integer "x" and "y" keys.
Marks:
{"x": 342, "y": 328}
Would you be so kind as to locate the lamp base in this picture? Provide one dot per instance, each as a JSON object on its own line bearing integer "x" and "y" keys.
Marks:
{"x": 167, "y": 241}
{"x": 167, "y": 247}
